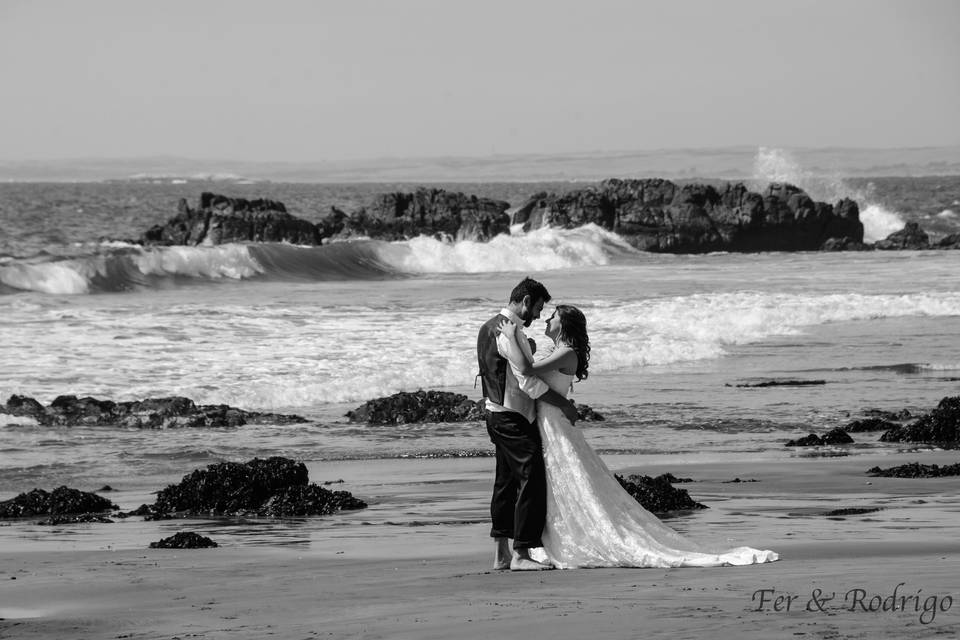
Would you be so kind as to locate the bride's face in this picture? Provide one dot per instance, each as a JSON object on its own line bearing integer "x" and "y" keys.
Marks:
{"x": 553, "y": 326}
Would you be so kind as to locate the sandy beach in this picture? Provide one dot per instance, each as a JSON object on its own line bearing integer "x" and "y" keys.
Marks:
{"x": 885, "y": 574}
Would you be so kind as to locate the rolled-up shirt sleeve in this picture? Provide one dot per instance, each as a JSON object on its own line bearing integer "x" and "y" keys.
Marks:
{"x": 530, "y": 385}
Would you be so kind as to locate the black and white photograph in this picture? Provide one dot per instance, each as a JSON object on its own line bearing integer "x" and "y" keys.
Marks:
{"x": 436, "y": 319}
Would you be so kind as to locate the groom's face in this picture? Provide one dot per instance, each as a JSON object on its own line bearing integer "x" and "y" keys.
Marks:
{"x": 530, "y": 311}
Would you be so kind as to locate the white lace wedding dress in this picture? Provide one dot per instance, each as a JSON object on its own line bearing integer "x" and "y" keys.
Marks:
{"x": 593, "y": 522}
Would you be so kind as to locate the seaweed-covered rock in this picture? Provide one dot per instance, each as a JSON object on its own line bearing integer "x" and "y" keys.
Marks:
{"x": 151, "y": 413}
{"x": 834, "y": 436}
{"x": 657, "y": 495}
{"x": 851, "y": 511}
{"x": 917, "y": 470}
{"x": 870, "y": 424}
{"x": 264, "y": 487}
{"x": 782, "y": 383}
{"x": 941, "y": 426}
{"x": 61, "y": 501}
{"x": 434, "y": 406}
{"x": 837, "y": 436}
{"x": 308, "y": 500}
{"x": 585, "y": 413}
{"x": 184, "y": 540}
{"x": 419, "y": 406}
{"x": 812, "y": 440}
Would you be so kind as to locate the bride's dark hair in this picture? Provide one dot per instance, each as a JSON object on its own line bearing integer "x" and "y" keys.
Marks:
{"x": 573, "y": 331}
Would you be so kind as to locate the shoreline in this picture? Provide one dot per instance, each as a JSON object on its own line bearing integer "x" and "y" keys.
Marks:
{"x": 375, "y": 575}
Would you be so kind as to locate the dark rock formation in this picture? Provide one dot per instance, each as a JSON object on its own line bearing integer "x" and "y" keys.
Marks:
{"x": 917, "y": 470}
{"x": 851, "y": 511}
{"x": 432, "y": 212}
{"x": 61, "y": 501}
{"x": 951, "y": 241}
{"x": 783, "y": 383}
{"x": 845, "y": 244}
{"x": 941, "y": 426}
{"x": 184, "y": 540}
{"x": 585, "y": 413}
{"x": 152, "y": 413}
{"x": 870, "y": 424}
{"x": 220, "y": 219}
{"x": 811, "y": 440}
{"x": 834, "y": 436}
{"x": 657, "y": 495}
{"x": 274, "y": 487}
{"x": 910, "y": 237}
{"x": 408, "y": 407}
{"x": 658, "y": 215}
{"x": 418, "y": 406}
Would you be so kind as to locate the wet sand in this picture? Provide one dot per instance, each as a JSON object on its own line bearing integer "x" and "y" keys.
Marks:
{"x": 434, "y": 581}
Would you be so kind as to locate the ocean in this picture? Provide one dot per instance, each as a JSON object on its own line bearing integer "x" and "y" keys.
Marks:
{"x": 318, "y": 331}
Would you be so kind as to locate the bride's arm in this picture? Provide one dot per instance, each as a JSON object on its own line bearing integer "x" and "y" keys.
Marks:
{"x": 563, "y": 359}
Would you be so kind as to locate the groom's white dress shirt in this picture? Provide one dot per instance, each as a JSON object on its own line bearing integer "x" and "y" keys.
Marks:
{"x": 520, "y": 391}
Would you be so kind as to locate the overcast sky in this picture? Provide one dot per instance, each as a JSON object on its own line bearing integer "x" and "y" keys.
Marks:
{"x": 328, "y": 80}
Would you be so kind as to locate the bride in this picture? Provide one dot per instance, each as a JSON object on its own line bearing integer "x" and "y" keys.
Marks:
{"x": 591, "y": 520}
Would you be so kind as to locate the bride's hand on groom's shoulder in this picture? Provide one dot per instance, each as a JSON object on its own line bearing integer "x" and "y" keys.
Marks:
{"x": 506, "y": 327}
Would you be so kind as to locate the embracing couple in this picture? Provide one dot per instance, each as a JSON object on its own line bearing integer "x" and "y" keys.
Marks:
{"x": 553, "y": 495}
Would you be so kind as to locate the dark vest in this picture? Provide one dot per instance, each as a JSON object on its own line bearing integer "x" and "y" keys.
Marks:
{"x": 493, "y": 366}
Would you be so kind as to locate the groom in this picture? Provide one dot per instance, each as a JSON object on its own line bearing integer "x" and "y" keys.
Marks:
{"x": 519, "y": 503}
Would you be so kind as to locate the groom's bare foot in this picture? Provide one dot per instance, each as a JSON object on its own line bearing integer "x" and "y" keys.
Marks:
{"x": 502, "y": 556}
{"x": 523, "y": 562}
{"x": 528, "y": 564}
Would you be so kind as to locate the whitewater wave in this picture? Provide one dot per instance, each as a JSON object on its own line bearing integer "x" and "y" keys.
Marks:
{"x": 665, "y": 331}
{"x": 118, "y": 266}
{"x": 777, "y": 165}
{"x": 414, "y": 352}
{"x": 539, "y": 250}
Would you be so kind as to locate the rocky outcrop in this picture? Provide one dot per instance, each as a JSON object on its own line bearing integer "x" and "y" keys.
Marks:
{"x": 951, "y": 241}
{"x": 59, "y": 502}
{"x": 418, "y": 406}
{"x": 917, "y": 470}
{"x": 408, "y": 407}
{"x": 782, "y": 383}
{"x": 431, "y": 212}
{"x": 657, "y": 495}
{"x": 219, "y": 219}
{"x": 151, "y": 413}
{"x": 273, "y": 487}
{"x": 658, "y": 215}
{"x": 834, "y": 436}
{"x": 851, "y": 511}
{"x": 652, "y": 214}
{"x": 940, "y": 427}
{"x": 870, "y": 424}
{"x": 184, "y": 540}
{"x": 910, "y": 237}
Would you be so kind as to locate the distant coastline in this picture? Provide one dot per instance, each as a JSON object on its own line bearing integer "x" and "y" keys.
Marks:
{"x": 726, "y": 163}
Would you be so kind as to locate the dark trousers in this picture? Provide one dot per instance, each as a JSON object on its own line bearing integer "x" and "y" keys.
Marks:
{"x": 519, "y": 505}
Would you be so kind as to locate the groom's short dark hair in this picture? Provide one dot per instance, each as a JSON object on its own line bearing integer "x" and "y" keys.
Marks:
{"x": 532, "y": 288}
